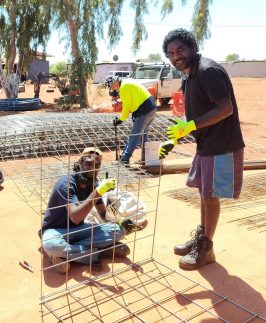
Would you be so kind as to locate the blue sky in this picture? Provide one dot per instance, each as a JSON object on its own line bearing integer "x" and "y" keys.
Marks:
{"x": 237, "y": 26}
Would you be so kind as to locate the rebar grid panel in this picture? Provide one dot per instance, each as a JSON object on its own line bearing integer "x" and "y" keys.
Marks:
{"x": 26, "y": 176}
{"x": 252, "y": 199}
{"x": 20, "y": 135}
{"x": 51, "y": 136}
{"x": 102, "y": 290}
{"x": 132, "y": 240}
{"x": 147, "y": 291}
{"x": 253, "y": 222}
{"x": 142, "y": 291}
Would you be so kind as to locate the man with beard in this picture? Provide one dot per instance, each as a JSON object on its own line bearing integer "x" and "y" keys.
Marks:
{"x": 212, "y": 119}
{"x": 65, "y": 236}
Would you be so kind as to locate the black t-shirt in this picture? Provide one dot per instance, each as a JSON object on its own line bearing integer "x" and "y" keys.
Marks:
{"x": 209, "y": 82}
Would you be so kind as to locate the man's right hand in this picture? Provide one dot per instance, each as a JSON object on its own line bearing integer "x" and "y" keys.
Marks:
{"x": 130, "y": 226}
{"x": 165, "y": 147}
{"x": 117, "y": 121}
{"x": 106, "y": 185}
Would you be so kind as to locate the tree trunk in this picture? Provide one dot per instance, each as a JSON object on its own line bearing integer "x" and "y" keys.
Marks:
{"x": 12, "y": 50}
{"x": 11, "y": 82}
{"x": 78, "y": 62}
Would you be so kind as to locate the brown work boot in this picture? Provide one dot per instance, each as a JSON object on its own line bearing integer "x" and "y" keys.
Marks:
{"x": 183, "y": 249}
{"x": 61, "y": 265}
{"x": 201, "y": 255}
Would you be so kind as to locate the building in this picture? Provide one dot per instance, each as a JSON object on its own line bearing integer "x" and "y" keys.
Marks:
{"x": 245, "y": 68}
{"x": 38, "y": 64}
{"x": 102, "y": 69}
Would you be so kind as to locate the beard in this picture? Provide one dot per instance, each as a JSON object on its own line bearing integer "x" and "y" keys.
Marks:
{"x": 184, "y": 62}
{"x": 86, "y": 177}
{"x": 82, "y": 176}
{"x": 86, "y": 184}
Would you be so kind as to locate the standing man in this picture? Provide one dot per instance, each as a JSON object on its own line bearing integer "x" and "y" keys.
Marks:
{"x": 212, "y": 118}
{"x": 136, "y": 99}
{"x": 65, "y": 236}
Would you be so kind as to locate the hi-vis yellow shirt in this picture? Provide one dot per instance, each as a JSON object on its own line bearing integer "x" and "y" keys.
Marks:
{"x": 132, "y": 95}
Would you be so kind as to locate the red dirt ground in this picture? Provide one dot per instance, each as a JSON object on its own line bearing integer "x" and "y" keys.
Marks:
{"x": 239, "y": 273}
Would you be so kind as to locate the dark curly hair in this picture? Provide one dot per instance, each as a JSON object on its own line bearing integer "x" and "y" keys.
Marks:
{"x": 186, "y": 37}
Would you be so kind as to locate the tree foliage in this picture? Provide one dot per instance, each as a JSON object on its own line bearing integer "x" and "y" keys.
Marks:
{"x": 200, "y": 19}
{"x": 59, "y": 68}
{"x": 232, "y": 58}
{"x": 139, "y": 31}
{"x": 155, "y": 57}
{"x": 82, "y": 23}
{"x": 25, "y": 25}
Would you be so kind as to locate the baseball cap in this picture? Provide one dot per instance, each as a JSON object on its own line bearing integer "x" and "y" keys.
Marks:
{"x": 90, "y": 150}
{"x": 111, "y": 80}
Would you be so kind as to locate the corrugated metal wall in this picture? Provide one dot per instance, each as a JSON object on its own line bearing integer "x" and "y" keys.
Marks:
{"x": 37, "y": 66}
{"x": 246, "y": 68}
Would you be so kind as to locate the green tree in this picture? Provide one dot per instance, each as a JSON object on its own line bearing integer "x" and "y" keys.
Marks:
{"x": 200, "y": 19}
{"x": 59, "y": 68}
{"x": 155, "y": 57}
{"x": 232, "y": 58}
{"x": 25, "y": 25}
{"x": 81, "y": 23}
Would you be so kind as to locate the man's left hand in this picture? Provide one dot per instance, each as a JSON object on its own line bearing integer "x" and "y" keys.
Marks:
{"x": 180, "y": 129}
{"x": 165, "y": 147}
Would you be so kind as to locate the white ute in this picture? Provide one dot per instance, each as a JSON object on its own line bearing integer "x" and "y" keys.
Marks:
{"x": 161, "y": 79}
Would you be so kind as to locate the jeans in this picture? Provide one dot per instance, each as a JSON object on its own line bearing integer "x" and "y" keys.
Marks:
{"x": 80, "y": 239}
{"x": 139, "y": 135}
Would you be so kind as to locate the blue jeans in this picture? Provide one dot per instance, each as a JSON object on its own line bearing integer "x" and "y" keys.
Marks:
{"x": 139, "y": 135}
{"x": 79, "y": 244}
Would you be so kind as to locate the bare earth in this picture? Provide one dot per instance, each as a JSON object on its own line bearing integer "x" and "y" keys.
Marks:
{"x": 239, "y": 273}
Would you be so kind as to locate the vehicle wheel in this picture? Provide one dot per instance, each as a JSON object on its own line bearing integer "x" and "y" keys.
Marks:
{"x": 164, "y": 101}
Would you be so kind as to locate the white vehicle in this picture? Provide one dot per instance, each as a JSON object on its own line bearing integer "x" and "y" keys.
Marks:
{"x": 121, "y": 74}
{"x": 161, "y": 79}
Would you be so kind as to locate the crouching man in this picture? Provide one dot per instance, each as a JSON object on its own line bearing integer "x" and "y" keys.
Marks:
{"x": 65, "y": 236}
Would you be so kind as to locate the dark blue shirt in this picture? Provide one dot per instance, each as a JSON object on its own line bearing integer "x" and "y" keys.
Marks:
{"x": 147, "y": 106}
{"x": 207, "y": 83}
{"x": 65, "y": 191}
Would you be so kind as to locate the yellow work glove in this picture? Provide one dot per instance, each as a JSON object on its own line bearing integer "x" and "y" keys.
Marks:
{"x": 180, "y": 129}
{"x": 117, "y": 121}
{"x": 106, "y": 185}
{"x": 165, "y": 147}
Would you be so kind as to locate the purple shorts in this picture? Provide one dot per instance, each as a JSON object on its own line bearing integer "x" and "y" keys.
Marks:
{"x": 217, "y": 176}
